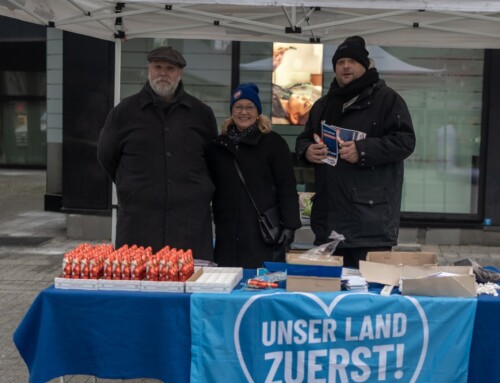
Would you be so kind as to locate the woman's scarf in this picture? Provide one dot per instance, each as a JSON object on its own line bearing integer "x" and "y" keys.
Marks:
{"x": 236, "y": 135}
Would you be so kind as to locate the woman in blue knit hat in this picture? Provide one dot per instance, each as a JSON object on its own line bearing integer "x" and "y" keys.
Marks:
{"x": 264, "y": 160}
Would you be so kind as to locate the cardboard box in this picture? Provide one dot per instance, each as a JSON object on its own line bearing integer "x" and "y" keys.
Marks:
{"x": 119, "y": 285}
{"x": 162, "y": 286}
{"x": 312, "y": 284}
{"x": 411, "y": 258}
{"x": 439, "y": 281}
{"x": 418, "y": 272}
{"x": 385, "y": 267}
{"x": 313, "y": 274}
{"x": 76, "y": 284}
{"x": 165, "y": 286}
{"x": 298, "y": 258}
{"x": 214, "y": 280}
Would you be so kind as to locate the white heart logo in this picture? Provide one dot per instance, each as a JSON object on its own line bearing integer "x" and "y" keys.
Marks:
{"x": 328, "y": 310}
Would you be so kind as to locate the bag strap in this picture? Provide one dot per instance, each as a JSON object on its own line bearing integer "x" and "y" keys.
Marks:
{"x": 245, "y": 185}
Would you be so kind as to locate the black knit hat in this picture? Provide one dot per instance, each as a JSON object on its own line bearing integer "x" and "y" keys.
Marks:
{"x": 353, "y": 47}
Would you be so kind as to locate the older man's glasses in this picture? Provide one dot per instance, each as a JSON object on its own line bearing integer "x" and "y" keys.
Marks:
{"x": 247, "y": 108}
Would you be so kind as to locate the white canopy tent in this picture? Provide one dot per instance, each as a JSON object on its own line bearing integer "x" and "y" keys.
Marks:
{"x": 431, "y": 23}
{"x": 408, "y": 23}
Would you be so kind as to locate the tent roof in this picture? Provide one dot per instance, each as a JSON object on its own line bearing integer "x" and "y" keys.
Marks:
{"x": 428, "y": 23}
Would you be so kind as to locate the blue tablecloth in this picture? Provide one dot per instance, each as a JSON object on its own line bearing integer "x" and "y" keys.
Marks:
{"x": 136, "y": 334}
{"x": 484, "y": 360}
{"x": 106, "y": 334}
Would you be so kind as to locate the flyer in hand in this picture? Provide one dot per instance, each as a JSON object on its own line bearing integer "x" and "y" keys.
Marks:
{"x": 333, "y": 136}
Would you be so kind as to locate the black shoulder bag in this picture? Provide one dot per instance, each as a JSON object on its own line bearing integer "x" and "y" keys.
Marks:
{"x": 269, "y": 220}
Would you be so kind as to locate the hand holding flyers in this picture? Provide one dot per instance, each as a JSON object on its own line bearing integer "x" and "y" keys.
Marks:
{"x": 330, "y": 139}
{"x": 336, "y": 137}
{"x": 348, "y": 151}
{"x": 317, "y": 152}
{"x": 318, "y": 139}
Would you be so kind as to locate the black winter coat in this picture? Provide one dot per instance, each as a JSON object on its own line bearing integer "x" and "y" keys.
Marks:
{"x": 266, "y": 164}
{"x": 158, "y": 163}
{"x": 363, "y": 201}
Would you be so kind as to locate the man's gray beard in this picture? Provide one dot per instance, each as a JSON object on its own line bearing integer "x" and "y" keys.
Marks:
{"x": 164, "y": 89}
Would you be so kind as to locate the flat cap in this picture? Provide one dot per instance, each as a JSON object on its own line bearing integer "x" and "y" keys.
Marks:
{"x": 167, "y": 54}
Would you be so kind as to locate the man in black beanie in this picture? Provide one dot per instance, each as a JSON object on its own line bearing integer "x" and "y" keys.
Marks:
{"x": 359, "y": 197}
{"x": 353, "y": 48}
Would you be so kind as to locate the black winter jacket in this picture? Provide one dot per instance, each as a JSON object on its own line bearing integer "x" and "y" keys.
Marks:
{"x": 158, "y": 163}
{"x": 362, "y": 201}
{"x": 267, "y": 167}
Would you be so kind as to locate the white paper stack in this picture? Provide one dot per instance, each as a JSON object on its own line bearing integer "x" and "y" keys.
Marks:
{"x": 354, "y": 283}
{"x": 350, "y": 272}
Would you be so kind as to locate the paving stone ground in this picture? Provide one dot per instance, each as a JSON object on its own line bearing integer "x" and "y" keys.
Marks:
{"x": 26, "y": 269}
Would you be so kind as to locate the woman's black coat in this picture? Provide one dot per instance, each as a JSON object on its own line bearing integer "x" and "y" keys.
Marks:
{"x": 266, "y": 164}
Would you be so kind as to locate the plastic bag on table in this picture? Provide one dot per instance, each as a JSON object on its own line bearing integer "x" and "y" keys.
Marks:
{"x": 326, "y": 249}
{"x": 482, "y": 275}
{"x": 266, "y": 281}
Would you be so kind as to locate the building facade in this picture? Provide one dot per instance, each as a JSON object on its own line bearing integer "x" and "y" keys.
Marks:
{"x": 451, "y": 180}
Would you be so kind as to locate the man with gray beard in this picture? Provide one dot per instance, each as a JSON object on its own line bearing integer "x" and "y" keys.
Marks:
{"x": 152, "y": 146}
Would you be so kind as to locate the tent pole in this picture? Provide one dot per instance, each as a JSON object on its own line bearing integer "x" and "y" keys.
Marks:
{"x": 114, "y": 199}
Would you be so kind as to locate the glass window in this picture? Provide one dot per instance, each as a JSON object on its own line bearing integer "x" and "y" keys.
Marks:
{"x": 442, "y": 87}
{"x": 445, "y": 100}
{"x": 23, "y": 121}
{"x": 443, "y": 90}
{"x": 207, "y": 75}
